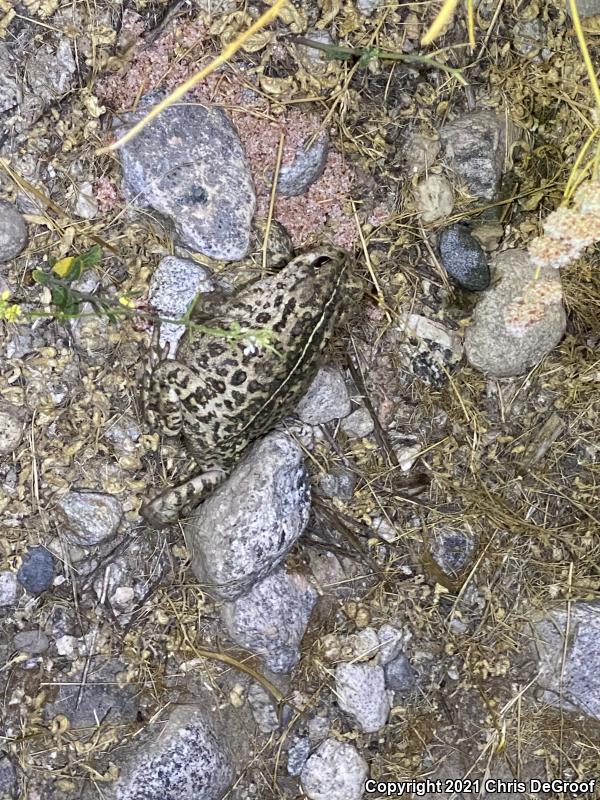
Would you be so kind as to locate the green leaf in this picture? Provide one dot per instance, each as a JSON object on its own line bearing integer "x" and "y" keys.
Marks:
{"x": 60, "y": 296}
{"x": 92, "y": 256}
{"x": 41, "y": 277}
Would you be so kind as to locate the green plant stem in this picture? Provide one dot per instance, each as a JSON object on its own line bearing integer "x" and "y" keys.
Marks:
{"x": 347, "y": 53}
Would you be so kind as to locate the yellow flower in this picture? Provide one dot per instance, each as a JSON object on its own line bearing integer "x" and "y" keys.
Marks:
{"x": 126, "y": 301}
{"x": 62, "y": 267}
{"x": 12, "y": 313}
{"x": 5, "y": 295}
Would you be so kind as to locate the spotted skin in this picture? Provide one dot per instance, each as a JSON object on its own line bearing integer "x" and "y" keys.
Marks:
{"x": 220, "y": 396}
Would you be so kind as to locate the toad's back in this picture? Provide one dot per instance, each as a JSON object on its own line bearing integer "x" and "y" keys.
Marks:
{"x": 244, "y": 390}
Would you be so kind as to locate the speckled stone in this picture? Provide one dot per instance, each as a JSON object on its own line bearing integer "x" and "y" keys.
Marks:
{"x": 36, "y": 572}
{"x": 89, "y": 517}
{"x": 475, "y": 145}
{"x": 9, "y": 92}
{"x": 8, "y": 779}
{"x": 11, "y": 427}
{"x": 452, "y": 550}
{"x": 188, "y": 165}
{"x": 13, "y": 231}
{"x": 327, "y": 398}
{"x": 306, "y": 168}
{"x": 246, "y": 527}
{"x": 567, "y": 645}
{"x": 186, "y": 760}
{"x": 8, "y": 588}
{"x": 434, "y": 198}
{"x": 335, "y": 771}
{"x": 173, "y": 287}
{"x": 400, "y": 676}
{"x": 271, "y": 619}
{"x": 102, "y": 696}
{"x": 361, "y": 693}
{"x": 31, "y": 642}
{"x": 489, "y": 346}
{"x": 463, "y": 258}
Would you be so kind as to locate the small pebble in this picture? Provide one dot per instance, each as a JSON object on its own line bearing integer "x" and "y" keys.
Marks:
{"x": 36, "y": 572}
{"x": 13, "y": 231}
{"x": 8, "y": 588}
{"x": 327, "y": 398}
{"x": 307, "y": 167}
{"x": 335, "y": 771}
{"x": 463, "y": 258}
{"x": 434, "y": 198}
{"x": 400, "y": 676}
{"x": 358, "y": 424}
{"x": 89, "y": 517}
{"x": 31, "y": 642}
{"x": 11, "y": 428}
{"x": 361, "y": 693}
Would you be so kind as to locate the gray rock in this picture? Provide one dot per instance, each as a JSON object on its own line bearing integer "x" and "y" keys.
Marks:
{"x": 420, "y": 152}
{"x": 123, "y": 433}
{"x": 489, "y": 346}
{"x": 432, "y": 351}
{"x": 263, "y": 708}
{"x": 434, "y": 198}
{"x": 244, "y": 530}
{"x": 452, "y": 550}
{"x": 400, "y": 676}
{"x": 463, "y": 258}
{"x": 528, "y": 36}
{"x": 391, "y": 642}
{"x": 271, "y": 619}
{"x": 51, "y": 71}
{"x": 173, "y": 288}
{"x": 188, "y": 165}
{"x": 586, "y": 8}
{"x": 307, "y": 167}
{"x": 335, "y": 771}
{"x": 569, "y": 675}
{"x": 339, "y": 483}
{"x": 11, "y": 426}
{"x": 186, "y": 760}
{"x": 368, "y": 7}
{"x": 8, "y": 588}
{"x": 31, "y": 642}
{"x": 89, "y": 517}
{"x": 100, "y": 697}
{"x": 475, "y": 145}
{"x": 327, "y": 398}
{"x": 9, "y": 92}
{"x": 86, "y": 205}
{"x": 358, "y": 424}
{"x": 13, "y": 231}
{"x": 36, "y": 573}
{"x": 8, "y": 779}
{"x": 298, "y": 755}
{"x": 361, "y": 693}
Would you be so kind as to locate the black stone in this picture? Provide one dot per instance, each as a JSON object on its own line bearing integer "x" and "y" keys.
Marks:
{"x": 463, "y": 258}
{"x": 37, "y": 570}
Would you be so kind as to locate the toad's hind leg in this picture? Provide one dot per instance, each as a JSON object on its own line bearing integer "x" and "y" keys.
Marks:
{"x": 165, "y": 390}
{"x": 180, "y": 500}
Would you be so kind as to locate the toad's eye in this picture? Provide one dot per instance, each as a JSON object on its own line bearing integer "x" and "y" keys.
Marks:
{"x": 320, "y": 262}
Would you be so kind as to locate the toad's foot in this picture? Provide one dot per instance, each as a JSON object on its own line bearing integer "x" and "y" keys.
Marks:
{"x": 167, "y": 507}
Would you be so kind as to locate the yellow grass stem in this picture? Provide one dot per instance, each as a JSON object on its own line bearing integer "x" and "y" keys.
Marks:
{"x": 471, "y": 23}
{"x": 444, "y": 16}
{"x": 585, "y": 52}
